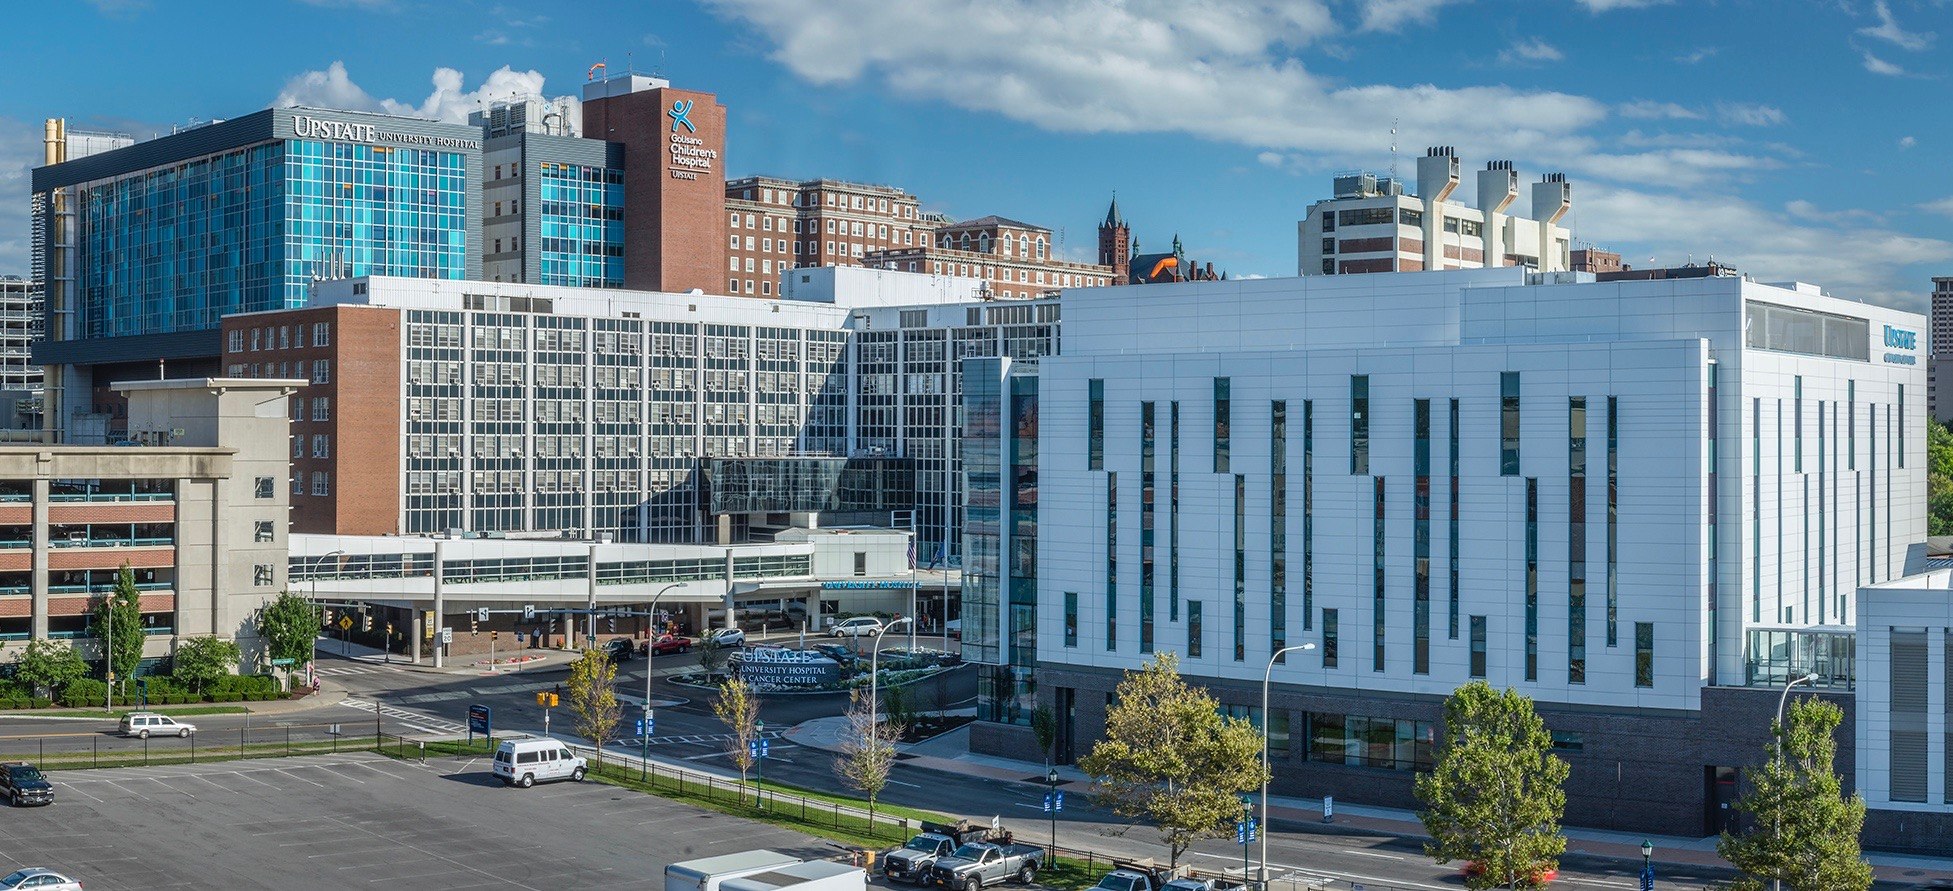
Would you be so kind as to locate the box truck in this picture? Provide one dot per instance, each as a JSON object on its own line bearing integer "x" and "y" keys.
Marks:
{"x": 707, "y": 873}
{"x": 813, "y": 875}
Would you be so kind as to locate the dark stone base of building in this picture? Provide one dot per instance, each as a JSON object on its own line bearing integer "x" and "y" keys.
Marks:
{"x": 1654, "y": 771}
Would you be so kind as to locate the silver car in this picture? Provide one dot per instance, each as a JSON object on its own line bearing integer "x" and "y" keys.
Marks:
{"x": 40, "y": 880}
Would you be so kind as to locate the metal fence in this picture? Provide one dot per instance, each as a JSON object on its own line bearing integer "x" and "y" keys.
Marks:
{"x": 96, "y": 749}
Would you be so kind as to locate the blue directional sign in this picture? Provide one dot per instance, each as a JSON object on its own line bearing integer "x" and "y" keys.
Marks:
{"x": 1059, "y": 805}
{"x": 1244, "y": 831}
{"x": 478, "y": 720}
{"x": 1647, "y": 878}
{"x": 1047, "y": 802}
{"x": 758, "y": 748}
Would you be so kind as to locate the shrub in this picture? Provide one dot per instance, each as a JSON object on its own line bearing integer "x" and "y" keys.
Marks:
{"x": 226, "y": 697}
{"x": 83, "y": 692}
{"x": 40, "y": 702}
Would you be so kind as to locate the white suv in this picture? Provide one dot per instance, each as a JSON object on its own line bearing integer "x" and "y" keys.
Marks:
{"x": 859, "y": 626}
{"x": 143, "y": 725}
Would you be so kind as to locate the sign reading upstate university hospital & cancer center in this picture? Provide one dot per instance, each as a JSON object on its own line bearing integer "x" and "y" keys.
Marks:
{"x": 308, "y": 127}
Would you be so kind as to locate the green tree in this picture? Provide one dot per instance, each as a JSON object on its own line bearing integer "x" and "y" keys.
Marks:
{"x": 712, "y": 654}
{"x": 1806, "y": 830}
{"x": 201, "y": 660}
{"x": 1939, "y": 479}
{"x": 290, "y": 627}
{"x": 120, "y": 612}
{"x": 1494, "y": 797}
{"x": 868, "y": 751}
{"x": 49, "y": 666}
{"x": 593, "y": 697}
{"x": 1044, "y": 726}
{"x": 1170, "y": 757}
{"x": 738, "y": 706}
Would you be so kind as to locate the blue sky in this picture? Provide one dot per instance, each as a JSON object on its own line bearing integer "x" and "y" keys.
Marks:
{"x": 1790, "y": 138}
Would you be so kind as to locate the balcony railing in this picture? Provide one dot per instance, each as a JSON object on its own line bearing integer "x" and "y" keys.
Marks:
{"x": 99, "y": 497}
{"x": 101, "y": 588}
{"x": 1775, "y": 656}
{"x": 112, "y": 542}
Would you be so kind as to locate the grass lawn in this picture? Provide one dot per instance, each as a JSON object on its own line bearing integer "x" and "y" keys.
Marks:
{"x": 176, "y": 710}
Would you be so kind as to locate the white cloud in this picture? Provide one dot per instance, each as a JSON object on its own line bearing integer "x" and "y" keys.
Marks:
{"x": 1943, "y": 205}
{"x": 1877, "y": 65}
{"x": 1600, "y": 6}
{"x": 1270, "y": 159}
{"x": 1696, "y": 55}
{"x": 1889, "y": 31}
{"x": 1851, "y": 259}
{"x": 1671, "y": 167}
{"x": 1743, "y": 113}
{"x": 1648, "y": 109}
{"x": 449, "y": 101}
{"x": 1222, "y": 74}
{"x": 1390, "y": 15}
{"x": 1530, "y": 51}
{"x": 1906, "y": 142}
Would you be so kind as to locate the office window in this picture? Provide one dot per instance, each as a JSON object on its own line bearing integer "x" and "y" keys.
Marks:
{"x": 1376, "y": 574}
{"x": 1308, "y": 514}
{"x": 1359, "y": 424}
{"x": 1193, "y": 629}
{"x": 1478, "y": 646}
{"x": 1329, "y": 635}
{"x": 1797, "y": 424}
{"x": 1278, "y": 526}
{"x": 1111, "y": 561}
{"x": 1532, "y": 579}
{"x": 321, "y": 445}
{"x": 263, "y": 575}
{"x": 321, "y": 334}
{"x": 1644, "y": 654}
{"x": 322, "y": 408}
{"x": 234, "y": 340}
{"x": 1421, "y": 538}
{"x": 1899, "y": 433}
{"x": 860, "y": 563}
{"x": 1146, "y": 480}
{"x": 1095, "y": 432}
{"x": 263, "y": 487}
{"x": 1851, "y": 425}
{"x": 1222, "y": 397}
{"x": 1071, "y": 618}
{"x": 1173, "y": 514}
{"x": 1576, "y": 611}
{"x": 321, "y": 483}
{"x": 264, "y": 531}
{"x": 1451, "y": 455}
{"x": 1509, "y": 423}
{"x": 1240, "y": 567}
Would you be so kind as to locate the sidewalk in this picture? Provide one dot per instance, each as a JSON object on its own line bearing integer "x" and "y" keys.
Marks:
{"x": 471, "y": 665}
{"x": 949, "y": 753}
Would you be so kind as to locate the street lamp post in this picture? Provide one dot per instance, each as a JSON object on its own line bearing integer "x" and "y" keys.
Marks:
{"x": 1051, "y": 806}
{"x": 875, "y": 676}
{"x": 759, "y": 762}
{"x": 1647, "y": 865}
{"x": 1782, "y": 700}
{"x": 1262, "y": 879}
{"x": 650, "y": 662}
{"x": 345, "y": 646}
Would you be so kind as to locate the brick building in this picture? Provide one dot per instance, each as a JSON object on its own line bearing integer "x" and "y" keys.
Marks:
{"x": 778, "y": 224}
{"x": 1016, "y": 258}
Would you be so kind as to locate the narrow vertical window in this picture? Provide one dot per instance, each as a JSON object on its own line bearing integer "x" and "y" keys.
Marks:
{"x": 1173, "y": 514}
{"x": 1644, "y": 654}
{"x": 1756, "y": 515}
{"x": 1359, "y": 424}
{"x": 1278, "y": 526}
{"x": 1193, "y": 629}
{"x": 1240, "y": 568}
{"x": 1451, "y": 564}
{"x": 1797, "y": 424}
{"x": 1478, "y": 647}
{"x": 1714, "y": 511}
{"x": 1906, "y": 752}
{"x": 1822, "y": 553}
{"x": 1613, "y": 519}
{"x": 1871, "y": 497}
{"x": 1308, "y": 513}
{"x": 1851, "y": 425}
{"x": 1421, "y": 538}
{"x": 1532, "y": 579}
{"x": 1508, "y": 423}
{"x": 1071, "y": 618}
{"x": 1376, "y": 574}
{"x": 1576, "y": 541}
{"x": 1329, "y": 631}
{"x": 1899, "y": 433}
{"x": 1223, "y": 398}
{"x": 1146, "y": 527}
{"x": 1111, "y": 561}
{"x": 1095, "y": 429}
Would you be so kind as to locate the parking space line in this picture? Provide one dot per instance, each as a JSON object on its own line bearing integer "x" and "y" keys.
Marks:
{"x": 297, "y": 777}
{"x": 338, "y": 774}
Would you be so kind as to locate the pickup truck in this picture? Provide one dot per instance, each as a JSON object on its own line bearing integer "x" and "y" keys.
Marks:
{"x": 973, "y": 867}
{"x": 911, "y": 862}
{"x": 1143, "y": 875}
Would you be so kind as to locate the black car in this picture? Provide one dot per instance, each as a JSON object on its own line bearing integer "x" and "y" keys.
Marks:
{"x": 841, "y": 653}
{"x": 22, "y": 783}
{"x": 620, "y": 649}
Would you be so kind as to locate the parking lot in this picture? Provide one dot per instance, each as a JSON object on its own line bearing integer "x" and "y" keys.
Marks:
{"x": 362, "y": 820}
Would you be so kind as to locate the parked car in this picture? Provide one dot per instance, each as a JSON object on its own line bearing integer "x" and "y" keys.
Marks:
{"x": 22, "y": 783}
{"x": 725, "y": 637}
{"x": 671, "y": 643}
{"x": 858, "y": 626}
{"x": 526, "y": 762}
{"x": 911, "y": 862}
{"x": 144, "y": 725}
{"x": 841, "y": 653}
{"x": 620, "y": 649}
{"x": 974, "y": 867}
{"x": 39, "y": 879}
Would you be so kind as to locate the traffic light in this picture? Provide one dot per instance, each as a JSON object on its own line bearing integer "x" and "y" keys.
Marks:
{"x": 547, "y": 699}
{"x": 328, "y": 616}
{"x": 366, "y": 622}
{"x": 389, "y": 631}
{"x": 474, "y": 625}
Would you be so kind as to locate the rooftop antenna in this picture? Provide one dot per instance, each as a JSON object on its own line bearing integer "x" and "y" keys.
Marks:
{"x": 1393, "y": 148}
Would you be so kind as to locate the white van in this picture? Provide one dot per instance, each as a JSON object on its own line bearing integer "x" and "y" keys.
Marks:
{"x": 526, "y": 762}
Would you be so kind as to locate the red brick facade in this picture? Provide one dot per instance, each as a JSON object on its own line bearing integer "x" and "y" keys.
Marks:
{"x": 674, "y": 167}
{"x": 777, "y": 224}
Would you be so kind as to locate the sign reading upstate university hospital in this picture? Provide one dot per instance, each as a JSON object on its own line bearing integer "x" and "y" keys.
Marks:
{"x": 307, "y": 127}
{"x": 786, "y": 668}
{"x": 1901, "y": 339}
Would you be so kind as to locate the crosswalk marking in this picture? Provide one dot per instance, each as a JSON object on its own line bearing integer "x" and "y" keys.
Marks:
{"x": 413, "y": 720}
{"x": 703, "y": 739}
{"x": 356, "y": 669}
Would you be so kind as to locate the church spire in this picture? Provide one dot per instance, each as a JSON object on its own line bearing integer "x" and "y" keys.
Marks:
{"x": 1113, "y": 220}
